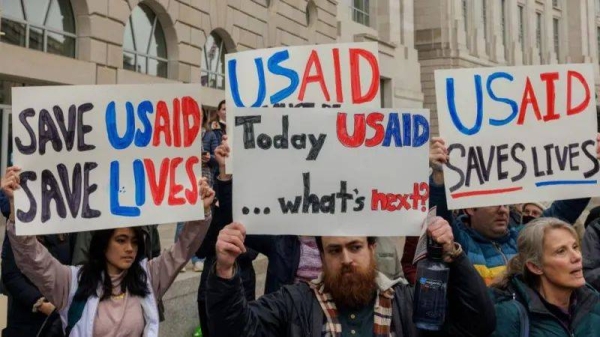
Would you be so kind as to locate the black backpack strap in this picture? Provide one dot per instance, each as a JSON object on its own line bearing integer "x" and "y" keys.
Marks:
{"x": 74, "y": 314}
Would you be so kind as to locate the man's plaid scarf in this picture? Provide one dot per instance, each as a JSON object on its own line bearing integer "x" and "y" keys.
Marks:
{"x": 383, "y": 312}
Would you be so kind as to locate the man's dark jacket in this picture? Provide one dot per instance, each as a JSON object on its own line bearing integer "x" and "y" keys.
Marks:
{"x": 294, "y": 311}
{"x": 590, "y": 250}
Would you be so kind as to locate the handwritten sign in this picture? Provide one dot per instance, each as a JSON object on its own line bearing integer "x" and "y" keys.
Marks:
{"x": 96, "y": 157}
{"x": 323, "y": 76}
{"x": 356, "y": 171}
{"x": 518, "y": 134}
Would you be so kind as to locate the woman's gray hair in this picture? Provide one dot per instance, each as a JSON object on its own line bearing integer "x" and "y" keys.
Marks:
{"x": 530, "y": 248}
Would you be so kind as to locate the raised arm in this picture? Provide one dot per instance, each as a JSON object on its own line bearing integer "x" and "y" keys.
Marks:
{"x": 567, "y": 210}
{"x": 33, "y": 259}
{"x": 164, "y": 268}
{"x": 470, "y": 309}
{"x": 438, "y": 156}
{"x": 229, "y": 312}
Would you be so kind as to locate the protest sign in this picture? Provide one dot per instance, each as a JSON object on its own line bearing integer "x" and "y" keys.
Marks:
{"x": 356, "y": 171}
{"x": 518, "y": 134}
{"x": 95, "y": 157}
{"x": 320, "y": 76}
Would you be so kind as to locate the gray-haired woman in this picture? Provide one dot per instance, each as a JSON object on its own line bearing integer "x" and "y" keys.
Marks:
{"x": 543, "y": 292}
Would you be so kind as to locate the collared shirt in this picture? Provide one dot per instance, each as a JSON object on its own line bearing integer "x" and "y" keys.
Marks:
{"x": 358, "y": 322}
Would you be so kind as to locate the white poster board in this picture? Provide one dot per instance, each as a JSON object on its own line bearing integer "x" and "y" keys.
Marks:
{"x": 358, "y": 171}
{"x": 96, "y": 157}
{"x": 315, "y": 76}
{"x": 518, "y": 134}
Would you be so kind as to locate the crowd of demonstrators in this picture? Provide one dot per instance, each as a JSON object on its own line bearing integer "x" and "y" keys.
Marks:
{"x": 543, "y": 292}
{"x": 209, "y": 167}
{"x": 222, "y": 215}
{"x": 350, "y": 296}
{"x": 488, "y": 234}
{"x": 115, "y": 292}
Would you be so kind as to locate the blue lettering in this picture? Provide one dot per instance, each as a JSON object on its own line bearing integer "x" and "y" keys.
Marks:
{"x": 235, "y": 90}
{"x": 140, "y": 182}
{"x": 513, "y": 104}
{"x": 142, "y": 138}
{"x": 452, "y": 107}
{"x": 406, "y": 128}
{"x": 111, "y": 126}
{"x": 115, "y": 207}
{"x": 275, "y": 68}
{"x": 392, "y": 130}
{"x": 420, "y": 123}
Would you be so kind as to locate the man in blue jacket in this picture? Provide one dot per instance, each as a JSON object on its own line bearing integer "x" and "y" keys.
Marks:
{"x": 488, "y": 235}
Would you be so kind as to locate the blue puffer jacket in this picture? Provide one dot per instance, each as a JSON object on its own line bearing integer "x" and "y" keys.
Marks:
{"x": 491, "y": 256}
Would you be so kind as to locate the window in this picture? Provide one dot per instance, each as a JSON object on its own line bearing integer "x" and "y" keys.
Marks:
{"x": 44, "y": 25}
{"x": 144, "y": 44}
{"x": 360, "y": 12}
{"x": 597, "y": 7}
{"x": 484, "y": 18}
{"x": 212, "y": 73}
{"x": 522, "y": 29}
{"x": 311, "y": 13}
{"x": 538, "y": 34}
{"x": 555, "y": 3}
{"x": 556, "y": 36}
{"x": 465, "y": 13}
{"x": 503, "y": 23}
{"x": 598, "y": 42}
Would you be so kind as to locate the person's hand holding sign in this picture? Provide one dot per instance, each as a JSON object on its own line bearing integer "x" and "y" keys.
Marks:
{"x": 230, "y": 244}
{"x": 207, "y": 194}
{"x": 438, "y": 156}
{"x": 11, "y": 182}
{"x": 598, "y": 146}
{"x": 221, "y": 154}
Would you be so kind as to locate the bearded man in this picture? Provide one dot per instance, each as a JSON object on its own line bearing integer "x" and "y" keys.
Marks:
{"x": 350, "y": 298}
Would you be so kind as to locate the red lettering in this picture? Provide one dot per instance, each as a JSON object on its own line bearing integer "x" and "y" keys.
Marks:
{"x": 190, "y": 109}
{"x": 374, "y": 121}
{"x": 378, "y": 200}
{"x": 191, "y": 195}
{"x": 339, "y": 96}
{"x": 157, "y": 187}
{"x": 358, "y": 137}
{"x": 549, "y": 78}
{"x": 176, "y": 123}
{"x": 528, "y": 98}
{"x": 355, "y": 78}
{"x": 313, "y": 60}
{"x": 162, "y": 124}
{"x": 586, "y": 100}
{"x": 174, "y": 187}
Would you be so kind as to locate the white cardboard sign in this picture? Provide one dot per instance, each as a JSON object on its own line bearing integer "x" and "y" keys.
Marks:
{"x": 96, "y": 157}
{"x": 319, "y": 76}
{"x": 518, "y": 134}
{"x": 356, "y": 171}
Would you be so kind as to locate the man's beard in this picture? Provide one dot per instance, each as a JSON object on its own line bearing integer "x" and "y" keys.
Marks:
{"x": 351, "y": 288}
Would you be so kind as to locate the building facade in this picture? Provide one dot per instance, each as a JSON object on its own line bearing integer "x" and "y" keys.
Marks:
{"x": 129, "y": 41}
{"x": 390, "y": 24}
{"x": 484, "y": 33}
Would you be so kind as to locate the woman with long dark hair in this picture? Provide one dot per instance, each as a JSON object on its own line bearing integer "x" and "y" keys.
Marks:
{"x": 115, "y": 292}
{"x": 543, "y": 292}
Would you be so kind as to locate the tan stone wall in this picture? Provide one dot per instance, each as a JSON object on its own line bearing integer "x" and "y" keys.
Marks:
{"x": 442, "y": 41}
{"x": 392, "y": 27}
{"x": 243, "y": 24}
